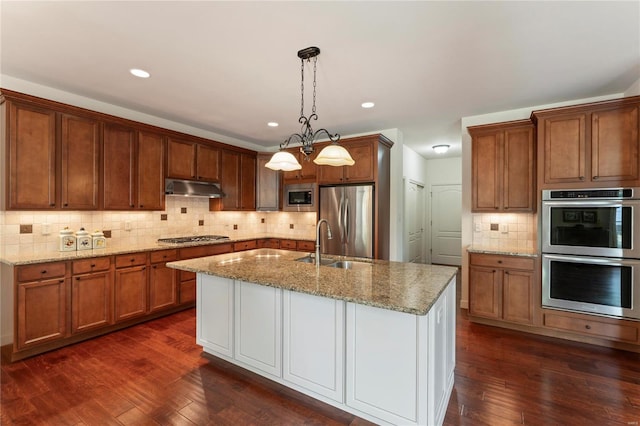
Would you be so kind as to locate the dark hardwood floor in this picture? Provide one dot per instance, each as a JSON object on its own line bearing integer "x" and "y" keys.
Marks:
{"x": 154, "y": 373}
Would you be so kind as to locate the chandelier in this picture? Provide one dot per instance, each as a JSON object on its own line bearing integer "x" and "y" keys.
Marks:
{"x": 331, "y": 155}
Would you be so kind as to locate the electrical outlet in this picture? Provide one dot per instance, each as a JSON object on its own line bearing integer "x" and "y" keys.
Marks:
{"x": 504, "y": 228}
{"x": 127, "y": 226}
{"x": 46, "y": 229}
{"x": 478, "y": 226}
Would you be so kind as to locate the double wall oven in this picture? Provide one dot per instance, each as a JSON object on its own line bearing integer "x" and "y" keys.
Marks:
{"x": 591, "y": 251}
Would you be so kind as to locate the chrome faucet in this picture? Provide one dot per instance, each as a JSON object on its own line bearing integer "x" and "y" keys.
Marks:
{"x": 318, "y": 239}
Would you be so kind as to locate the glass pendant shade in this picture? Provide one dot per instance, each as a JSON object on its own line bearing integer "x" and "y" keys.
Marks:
{"x": 334, "y": 155}
{"x": 283, "y": 160}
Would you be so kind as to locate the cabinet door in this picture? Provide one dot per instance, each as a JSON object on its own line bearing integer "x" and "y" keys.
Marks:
{"x": 486, "y": 172}
{"x": 267, "y": 186}
{"x": 485, "y": 292}
{"x": 118, "y": 164}
{"x": 518, "y": 296}
{"x": 247, "y": 182}
{"x": 130, "y": 292}
{"x": 42, "y": 312}
{"x": 181, "y": 159}
{"x": 162, "y": 287}
{"x": 208, "y": 163}
{"x": 31, "y": 157}
{"x": 313, "y": 343}
{"x": 230, "y": 181}
{"x": 214, "y": 307}
{"x": 614, "y": 145}
{"x": 307, "y": 173}
{"x": 91, "y": 301}
{"x": 150, "y": 172}
{"x": 565, "y": 149}
{"x": 364, "y": 167}
{"x": 258, "y": 327}
{"x": 518, "y": 182}
{"x": 80, "y": 152}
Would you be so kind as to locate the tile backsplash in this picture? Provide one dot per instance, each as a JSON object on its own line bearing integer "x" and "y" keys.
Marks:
{"x": 182, "y": 216}
{"x": 501, "y": 231}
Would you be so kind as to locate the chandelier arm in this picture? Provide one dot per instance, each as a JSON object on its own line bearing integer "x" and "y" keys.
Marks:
{"x": 287, "y": 141}
{"x": 333, "y": 138}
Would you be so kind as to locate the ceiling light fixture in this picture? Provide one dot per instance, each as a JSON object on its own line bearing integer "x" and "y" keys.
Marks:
{"x": 272, "y": 124}
{"x": 367, "y": 105}
{"x": 441, "y": 149}
{"x": 331, "y": 155}
{"x": 139, "y": 73}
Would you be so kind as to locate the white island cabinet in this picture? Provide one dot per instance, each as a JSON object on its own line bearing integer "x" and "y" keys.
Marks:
{"x": 387, "y": 366}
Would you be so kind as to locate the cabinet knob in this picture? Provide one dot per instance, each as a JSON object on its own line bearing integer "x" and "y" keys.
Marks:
{"x": 499, "y": 261}
{"x": 131, "y": 205}
{"x": 141, "y": 205}
{"x": 93, "y": 265}
{"x": 52, "y": 204}
{"x": 581, "y": 177}
{"x": 588, "y": 327}
{"x": 44, "y": 271}
{"x": 132, "y": 260}
{"x": 595, "y": 178}
{"x": 66, "y": 204}
{"x": 506, "y": 272}
{"x": 77, "y": 278}
{"x": 154, "y": 267}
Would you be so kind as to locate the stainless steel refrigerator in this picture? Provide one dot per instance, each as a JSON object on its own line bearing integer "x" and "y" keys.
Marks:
{"x": 350, "y": 213}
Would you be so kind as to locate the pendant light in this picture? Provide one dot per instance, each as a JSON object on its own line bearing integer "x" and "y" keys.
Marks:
{"x": 333, "y": 154}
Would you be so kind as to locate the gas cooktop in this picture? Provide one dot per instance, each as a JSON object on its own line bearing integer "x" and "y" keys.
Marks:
{"x": 192, "y": 239}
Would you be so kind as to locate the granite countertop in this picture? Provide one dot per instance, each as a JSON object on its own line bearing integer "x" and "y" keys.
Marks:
{"x": 54, "y": 256}
{"x": 404, "y": 287}
{"x": 508, "y": 251}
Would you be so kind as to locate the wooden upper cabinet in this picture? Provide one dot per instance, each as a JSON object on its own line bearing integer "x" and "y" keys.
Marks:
{"x": 591, "y": 145}
{"x": 363, "y": 153}
{"x": 207, "y": 163}
{"x": 150, "y": 171}
{"x": 118, "y": 165}
{"x": 307, "y": 173}
{"x": 31, "y": 157}
{"x": 267, "y": 185}
{"x": 503, "y": 164}
{"x": 193, "y": 161}
{"x": 80, "y": 160}
{"x": 238, "y": 182}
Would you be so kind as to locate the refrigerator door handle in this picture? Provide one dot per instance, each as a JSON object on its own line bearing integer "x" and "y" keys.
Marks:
{"x": 346, "y": 219}
{"x": 341, "y": 219}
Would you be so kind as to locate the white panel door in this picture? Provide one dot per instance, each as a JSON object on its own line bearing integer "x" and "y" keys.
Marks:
{"x": 414, "y": 222}
{"x": 446, "y": 224}
{"x": 313, "y": 343}
{"x": 214, "y": 307}
{"x": 258, "y": 326}
{"x": 382, "y": 363}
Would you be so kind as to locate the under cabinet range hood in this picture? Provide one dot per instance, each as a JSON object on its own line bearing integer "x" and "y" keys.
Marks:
{"x": 191, "y": 188}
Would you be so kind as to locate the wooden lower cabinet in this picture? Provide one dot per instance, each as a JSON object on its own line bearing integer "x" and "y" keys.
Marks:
{"x": 163, "y": 289}
{"x": 591, "y": 326}
{"x": 501, "y": 287}
{"x": 91, "y": 301}
{"x": 131, "y": 286}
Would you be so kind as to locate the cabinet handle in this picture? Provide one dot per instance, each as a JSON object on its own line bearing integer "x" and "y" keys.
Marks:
{"x": 588, "y": 327}
{"x": 60, "y": 281}
{"x": 506, "y": 207}
{"x": 144, "y": 267}
{"x": 66, "y": 204}
{"x": 93, "y": 265}
{"x": 581, "y": 177}
{"x": 77, "y": 278}
{"x": 154, "y": 267}
{"x": 141, "y": 205}
{"x": 595, "y": 178}
{"x": 131, "y": 205}
{"x": 52, "y": 204}
{"x": 44, "y": 271}
{"x": 499, "y": 261}
{"x": 496, "y": 207}
{"x": 506, "y": 272}
{"x": 132, "y": 260}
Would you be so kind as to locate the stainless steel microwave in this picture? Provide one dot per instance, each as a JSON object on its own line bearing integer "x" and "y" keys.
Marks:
{"x": 300, "y": 197}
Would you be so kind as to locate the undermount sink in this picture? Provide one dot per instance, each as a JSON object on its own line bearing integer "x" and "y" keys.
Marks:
{"x": 348, "y": 264}
{"x": 309, "y": 259}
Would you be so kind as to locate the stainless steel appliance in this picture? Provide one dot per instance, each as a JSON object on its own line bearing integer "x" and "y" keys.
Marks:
{"x": 349, "y": 210}
{"x": 591, "y": 251}
{"x": 192, "y": 188}
{"x": 300, "y": 197}
{"x": 597, "y": 222}
{"x": 597, "y": 285}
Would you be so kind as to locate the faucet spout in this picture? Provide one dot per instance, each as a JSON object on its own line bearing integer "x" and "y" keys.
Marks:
{"x": 329, "y": 236}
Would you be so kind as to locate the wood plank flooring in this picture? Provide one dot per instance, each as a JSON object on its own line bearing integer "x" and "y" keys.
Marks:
{"x": 154, "y": 373}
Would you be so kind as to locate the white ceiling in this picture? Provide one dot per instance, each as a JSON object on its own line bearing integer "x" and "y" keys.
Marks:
{"x": 230, "y": 67}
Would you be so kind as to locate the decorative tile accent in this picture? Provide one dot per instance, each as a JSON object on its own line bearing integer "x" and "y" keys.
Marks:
{"x": 26, "y": 229}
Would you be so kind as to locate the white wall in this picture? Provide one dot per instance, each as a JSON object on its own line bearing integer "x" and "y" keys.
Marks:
{"x": 467, "y": 217}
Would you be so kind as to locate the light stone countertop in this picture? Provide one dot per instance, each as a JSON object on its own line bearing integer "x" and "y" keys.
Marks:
{"x": 56, "y": 256}
{"x": 404, "y": 287}
{"x": 508, "y": 251}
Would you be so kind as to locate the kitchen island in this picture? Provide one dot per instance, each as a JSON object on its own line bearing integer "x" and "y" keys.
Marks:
{"x": 376, "y": 340}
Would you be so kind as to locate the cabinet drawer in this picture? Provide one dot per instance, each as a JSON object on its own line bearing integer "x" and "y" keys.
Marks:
{"x": 508, "y": 262}
{"x": 245, "y": 245}
{"x": 164, "y": 256}
{"x": 133, "y": 259}
{"x": 86, "y": 266}
{"x": 306, "y": 245}
{"x": 202, "y": 251}
{"x": 288, "y": 244}
{"x": 592, "y": 327}
{"x": 41, "y": 271}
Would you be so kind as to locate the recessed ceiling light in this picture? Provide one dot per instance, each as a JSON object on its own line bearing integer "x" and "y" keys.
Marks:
{"x": 139, "y": 73}
{"x": 272, "y": 124}
{"x": 368, "y": 105}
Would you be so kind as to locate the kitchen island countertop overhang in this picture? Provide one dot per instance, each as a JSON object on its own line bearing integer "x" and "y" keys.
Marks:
{"x": 404, "y": 287}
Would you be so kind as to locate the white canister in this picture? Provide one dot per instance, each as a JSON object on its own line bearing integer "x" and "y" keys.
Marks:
{"x": 67, "y": 240}
{"x": 83, "y": 240}
{"x": 99, "y": 241}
